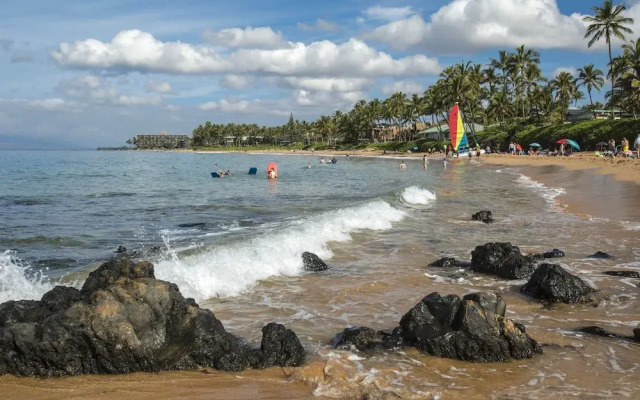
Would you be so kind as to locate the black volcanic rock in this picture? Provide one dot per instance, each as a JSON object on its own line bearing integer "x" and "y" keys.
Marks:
{"x": 361, "y": 337}
{"x": 624, "y": 274}
{"x": 600, "y": 255}
{"x": 124, "y": 320}
{"x": 446, "y": 262}
{"x": 312, "y": 262}
{"x": 473, "y": 328}
{"x": 551, "y": 283}
{"x": 555, "y": 253}
{"x": 502, "y": 259}
{"x": 596, "y": 330}
{"x": 484, "y": 216}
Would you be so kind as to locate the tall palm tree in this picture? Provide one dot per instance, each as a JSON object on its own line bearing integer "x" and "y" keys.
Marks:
{"x": 607, "y": 22}
{"x": 590, "y": 77}
{"x": 504, "y": 63}
{"x": 564, "y": 85}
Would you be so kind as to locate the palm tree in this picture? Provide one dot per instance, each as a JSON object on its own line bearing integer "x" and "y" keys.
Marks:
{"x": 591, "y": 78}
{"x": 607, "y": 22}
{"x": 504, "y": 63}
{"x": 564, "y": 86}
{"x": 626, "y": 91}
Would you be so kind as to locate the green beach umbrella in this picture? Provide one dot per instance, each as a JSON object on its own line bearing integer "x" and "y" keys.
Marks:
{"x": 535, "y": 145}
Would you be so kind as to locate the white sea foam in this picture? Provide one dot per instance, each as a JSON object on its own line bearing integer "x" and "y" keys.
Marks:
{"x": 548, "y": 193}
{"x": 418, "y": 196}
{"x": 230, "y": 269}
{"x": 15, "y": 284}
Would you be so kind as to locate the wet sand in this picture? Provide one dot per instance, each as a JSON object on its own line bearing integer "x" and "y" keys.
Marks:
{"x": 591, "y": 190}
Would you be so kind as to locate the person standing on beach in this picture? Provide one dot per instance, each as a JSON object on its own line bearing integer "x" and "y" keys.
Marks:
{"x": 637, "y": 145}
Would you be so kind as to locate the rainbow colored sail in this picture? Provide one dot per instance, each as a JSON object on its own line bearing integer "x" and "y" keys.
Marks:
{"x": 456, "y": 129}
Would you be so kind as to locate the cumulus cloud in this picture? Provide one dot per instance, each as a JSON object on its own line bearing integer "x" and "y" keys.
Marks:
{"x": 408, "y": 87}
{"x": 158, "y": 87}
{"x": 96, "y": 90}
{"x": 319, "y": 25}
{"x": 233, "y": 81}
{"x": 572, "y": 70}
{"x": 255, "y": 106}
{"x": 339, "y": 100}
{"x": 388, "y": 13}
{"x": 261, "y": 37}
{"x": 328, "y": 84}
{"x": 136, "y": 50}
{"x": 472, "y": 25}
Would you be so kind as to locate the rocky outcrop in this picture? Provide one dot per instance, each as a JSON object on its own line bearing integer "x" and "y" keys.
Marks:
{"x": 473, "y": 328}
{"x": 555, "y": 253}
{"x": 361, "y": 338}
{"x": 502, "y": 259}
{"x": 551, "y": 283}
{"x": 624, "y": 274}
{"x": 601, "y": 255}
{"x": 484, "y": 216}
{"x": 312, "y": 262}
{"x": 124, "y": 320}
{"x": 446, "y": 262}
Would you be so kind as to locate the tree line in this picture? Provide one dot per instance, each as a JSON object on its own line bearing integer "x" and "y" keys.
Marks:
{"x": 508, "y": 88}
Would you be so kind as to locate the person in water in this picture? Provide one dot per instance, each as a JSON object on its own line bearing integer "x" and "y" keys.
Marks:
{"x": 272, "y": 174}
{"x": 402, "y": 165}
{"x": 445, "y": 162}
{"x": 425, "y": 161}
{"x": 227, "y": 172}
{"x": 309, "y": 165}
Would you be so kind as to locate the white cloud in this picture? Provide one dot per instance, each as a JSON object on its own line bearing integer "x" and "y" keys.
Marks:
{"x": 233, "y": 81}
{"x": 255, "y": 106}
{"x": 127, "y": 100}
{"x": 325, "y": 99}
{"x": 572, "y": 70}
{"x": 470, "y": 25}
{"x": 172, "y": 107}
{"x": 96, "y": 90}
{"x": 158, "y": 87}
{"x": 136, "y": 50}
{"x": 53, "y": 104}
{"x": 408, "y": 87}
{"x": 328, "y": 84}
{"x": 388, "y": 13}
{"x": 261, "y": 38}
{"x": 319, "y": 25}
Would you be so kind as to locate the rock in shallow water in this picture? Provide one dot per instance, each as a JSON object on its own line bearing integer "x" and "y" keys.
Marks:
{"x": 361, "y": 337}
{"x": 502, "y": 259}
{"x": 472, "y": 329}
{"x": 551, "y": 283}
{"x": 555, "y": 253}
{"x": 124, "y": 320}
{"x": 484, "y": 216}
{"x": 446, "y": 262}
{"x": 312, "y": 262}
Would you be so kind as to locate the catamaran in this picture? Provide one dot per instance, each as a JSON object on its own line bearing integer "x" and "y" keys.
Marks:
{"x": 457, "y": 134}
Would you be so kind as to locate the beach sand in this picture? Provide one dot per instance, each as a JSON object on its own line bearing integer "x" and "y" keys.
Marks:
{"x": 594, "y": 188}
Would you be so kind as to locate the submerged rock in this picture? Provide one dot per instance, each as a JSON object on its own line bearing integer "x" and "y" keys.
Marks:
{"x": 124, "y": 320}
{"x": 473, "y": 328}
{"x": 596, "y": 330}
{"x": 600, "y": 255}
{"x": 361, "y": 337}
{"x": 551, "y": 283}
{"x": 446, "y": 262}
{"x": 312, "y": 262}
{"x": 625, "y": 274}
{"x": 502, "y": 259}
{"x": 484, "y": 216}
{"x": 555, "y": 253}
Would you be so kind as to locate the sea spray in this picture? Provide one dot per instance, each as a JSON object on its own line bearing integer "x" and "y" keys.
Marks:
{"x": 418, "y": 196}
{"x": 16, "y": 283}
{"x": 232, "y": 268}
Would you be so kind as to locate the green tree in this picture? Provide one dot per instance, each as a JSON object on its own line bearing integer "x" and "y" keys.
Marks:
{"x": 607, "y": 22}
{"x": 590, "y": 77}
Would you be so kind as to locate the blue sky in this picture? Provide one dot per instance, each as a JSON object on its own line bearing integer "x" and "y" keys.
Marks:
{"x": 82, "y": 74}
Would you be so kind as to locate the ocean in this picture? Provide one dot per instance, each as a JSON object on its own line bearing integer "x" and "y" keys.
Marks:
{"x": 235, "y": 244}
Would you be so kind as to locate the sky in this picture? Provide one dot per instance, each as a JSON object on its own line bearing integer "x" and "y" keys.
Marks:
{"x": 82, "y": 73}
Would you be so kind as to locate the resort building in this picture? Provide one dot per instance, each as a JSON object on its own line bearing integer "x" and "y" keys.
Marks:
{"x": 162, "y": 141}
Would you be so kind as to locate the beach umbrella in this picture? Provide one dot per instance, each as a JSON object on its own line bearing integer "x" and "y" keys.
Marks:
{"x": 570, "y": 142}
{"x": 518, "y": 146}
{"x": 601, "y": 145}
{"x": 535, "y": 145}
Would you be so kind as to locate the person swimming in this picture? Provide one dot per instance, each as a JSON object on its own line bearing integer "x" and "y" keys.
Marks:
{"x": 272, "y": 174}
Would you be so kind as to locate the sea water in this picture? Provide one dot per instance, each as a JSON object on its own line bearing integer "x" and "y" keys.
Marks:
{"x": 235, "y": 245}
